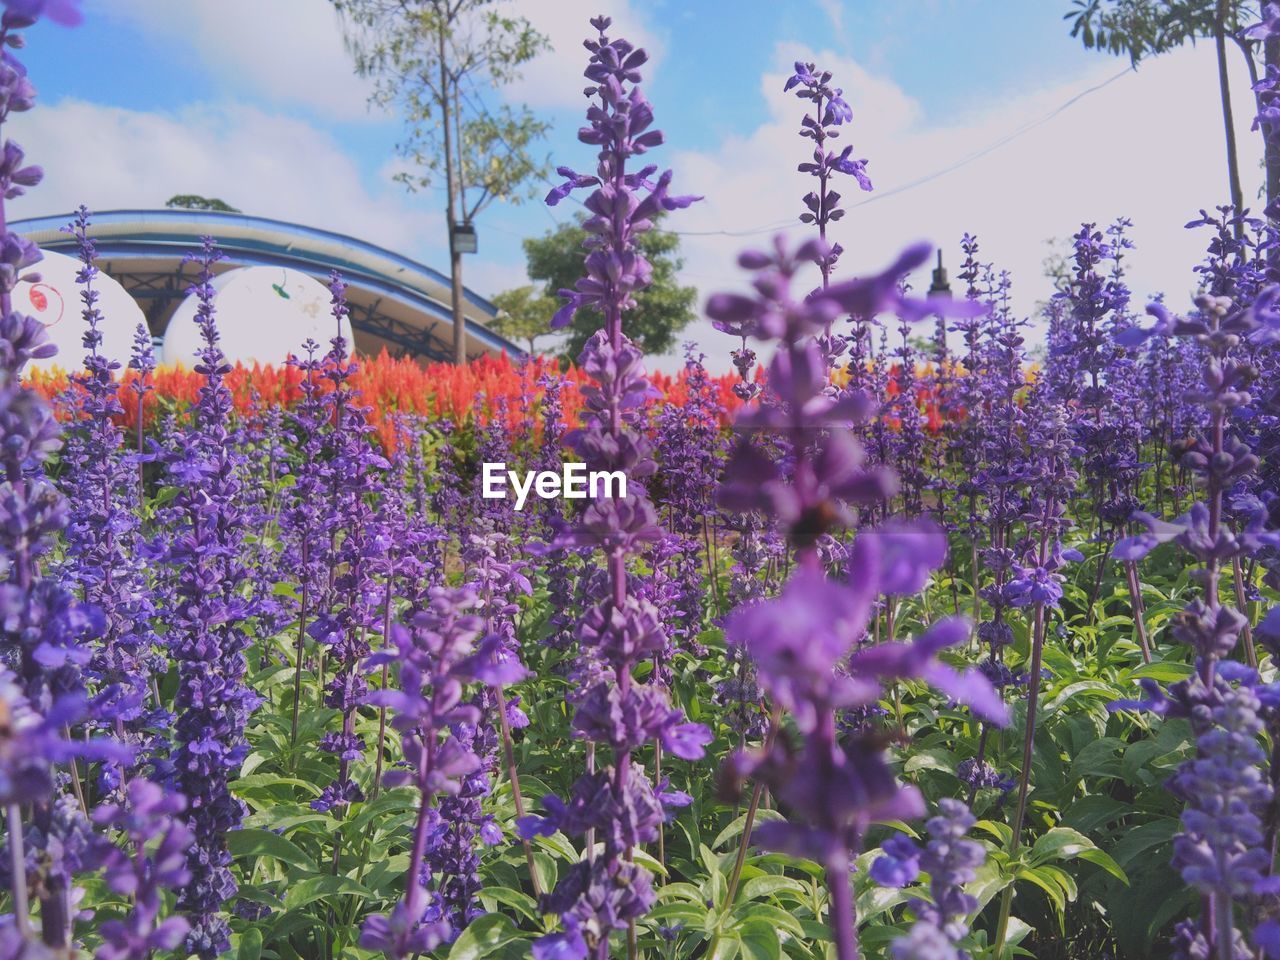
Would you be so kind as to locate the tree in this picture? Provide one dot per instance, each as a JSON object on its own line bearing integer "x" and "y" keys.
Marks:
{"x": 192, "y": 201}
{"x": 662, "y": 310}
{"x": 436, "y": 60}
{"x": 524, "y": 313}
{"x": 1142, "y": 28}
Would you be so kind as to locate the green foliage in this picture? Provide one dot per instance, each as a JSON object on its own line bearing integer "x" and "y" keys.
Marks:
{"x": 1090, "y": 877}
{"x": 524, "y": 313}
{"x": 1142, "y": 28}
{"x": 433, "y": 61}
{"x": 662, "y": 310}
{"x": 193, "y": 201}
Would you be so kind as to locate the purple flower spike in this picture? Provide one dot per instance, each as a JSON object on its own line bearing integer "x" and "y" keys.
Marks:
{"x": 608, "y": 892}
{"x": 1267, "y": 27}
{"x": 829, "y": 111}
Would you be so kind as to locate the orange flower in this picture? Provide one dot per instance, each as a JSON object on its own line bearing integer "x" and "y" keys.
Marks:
{"x": 389, "y": 386}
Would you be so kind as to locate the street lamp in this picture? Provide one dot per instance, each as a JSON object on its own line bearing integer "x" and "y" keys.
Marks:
{"x": 463, "y": 238}
{"x": 940, "y": 287}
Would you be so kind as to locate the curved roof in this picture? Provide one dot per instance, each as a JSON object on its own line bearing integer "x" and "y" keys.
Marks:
{"x": 395, "y": 302}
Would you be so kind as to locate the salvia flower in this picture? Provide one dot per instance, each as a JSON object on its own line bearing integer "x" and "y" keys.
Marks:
{"x": 830, "y": 111}
{"x": 155, "y": 860}
{"x": 207, "y": 633}
{"x": 436, "y": 657}
{"x": 609, "y": 891}
{"x": 951, "y": 860}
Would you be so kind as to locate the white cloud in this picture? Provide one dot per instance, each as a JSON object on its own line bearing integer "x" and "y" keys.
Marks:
{"x": 292, "y": 51}
{"x": 282, "y": 51}
{"x": 554, "y": 78}
{"x": 1149, "y": 146}
{"x": 265, "y": 164}
{"x": 834, "y": 12}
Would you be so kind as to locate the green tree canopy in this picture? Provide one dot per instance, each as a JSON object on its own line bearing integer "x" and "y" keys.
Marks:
{"x": 1142, "y": 28}
{"x": 662, "y": 310}
{"x": 524, "y": 313}
{"x": 193, "y": 201}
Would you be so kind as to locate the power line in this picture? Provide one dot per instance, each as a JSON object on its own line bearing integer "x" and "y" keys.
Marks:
{"x": 1008, "y": 138}
{"x": 927, "y": 178}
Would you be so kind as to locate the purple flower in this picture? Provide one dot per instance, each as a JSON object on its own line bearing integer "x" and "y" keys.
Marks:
{"x": 573, "y": 181}
{"x": 830, "y": 110}
{"x": 919, "y": 659}
{"x": 436, "y": 726}
{"x": 406, "y": 931}
{"x": 951, "y": 860}
{"x": 1220, "y": 850}
{"x": 798, "y": 640}
{"x": 1032, "y": 586}
{"x": 899, "y": 864}
{"x": 206, "y": 631}
{"x": 1267, "y": 27}
{"x": 906, "y": 553}
{"x": 158, "y": 840}
{"x": 617, "y": 633}
{"x": 24, "y": 12}
{"x": 31, "y": 743}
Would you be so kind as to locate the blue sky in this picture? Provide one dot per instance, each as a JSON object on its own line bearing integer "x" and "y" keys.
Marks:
{"x": 255, "y": 103}
{"x": 945, "y": 52}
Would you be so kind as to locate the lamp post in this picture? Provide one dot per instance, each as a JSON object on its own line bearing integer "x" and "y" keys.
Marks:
{"x": 462, "y": 239}
{"x": 941, "y": 287}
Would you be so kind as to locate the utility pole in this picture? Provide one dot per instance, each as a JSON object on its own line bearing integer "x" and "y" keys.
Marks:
{"x": 1271, "y": 58}
{"x": 436, "y": 60}
{"x": 451, "y": 190}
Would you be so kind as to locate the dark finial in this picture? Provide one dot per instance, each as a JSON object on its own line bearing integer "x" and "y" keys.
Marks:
{"x": 940, "y": 287}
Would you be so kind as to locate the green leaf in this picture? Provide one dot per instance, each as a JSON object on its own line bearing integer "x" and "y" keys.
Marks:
{"x": 690, "y": 914}
{"x": 1104, "y": 860}
{"x": 1060, "y": 843}
{"x": 685, "y": 891}
{"x": 1081, "y": 688}
{"x": 780, "y": 919}
{"x": 263, "y": 843}
{"x": 1142, "y": 838}
{"x": 710, "y": 861}
{"x": 558, "y": 844}
{"x": 934, "y": 759}
{"x": 735, "y": 828}
{"x": 991, "y": 879}
{"x": 816, "y": 930}
{"x": 483, "y": 936}
{"x": 1048, "y": 884}
{"x": 1001, "y": 831}
{"x": 759, "y": 940}
{"x": 262, "y": 781}
{"x": 1100, "y": 758}
{"x": 1162, "y": 671}
{"x": 516, "y": 899}
{"x": 250, "y": 946}
{"x": 1090, "y": 813}
{"x": 759, "y": 888}
{"x": 318, "y": 887}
